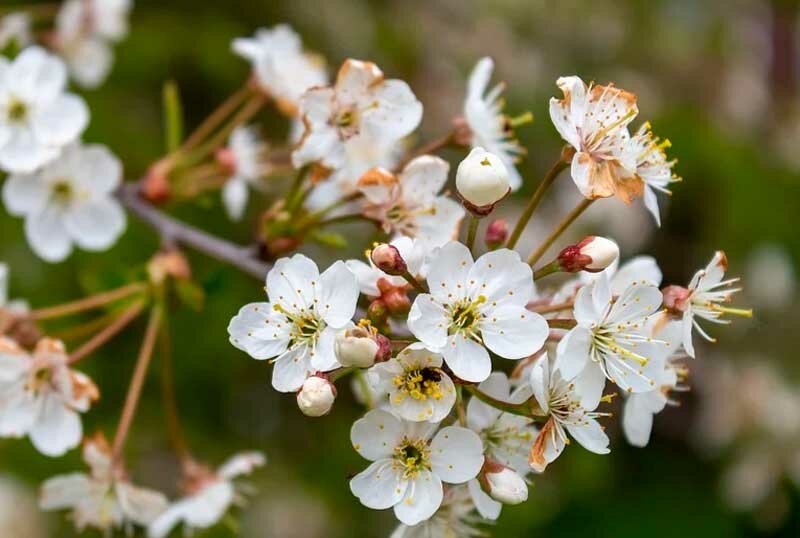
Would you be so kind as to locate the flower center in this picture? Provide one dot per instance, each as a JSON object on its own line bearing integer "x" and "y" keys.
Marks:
{"x": 347, "y": 121}
{"x": 306, "y": 327}
{"x": 62, "y": 191}
{"x": 38, "y": 379}
{"x": 419, "y": 384}
{"x": 465, "y": 316}
{"x": 17, "y": 110}
{"x": 413, "y": 456}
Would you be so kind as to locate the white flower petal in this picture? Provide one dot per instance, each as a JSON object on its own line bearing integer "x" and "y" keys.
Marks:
{"x": 64, "y": 491}
{"x": 25, "y": 194}
{"x": 502, "y": 278}
{"x": 456, "y": 454}
{"x": 337, "y": 294}
{"x": 289, "y": 283}
{"x": 47, "y": 235}
{"x": 449, "y": 267}
{"x": 591, "y": 436}
{"x": 57, "y": 428}
{"x": 376, "y": 435}
{"x": 96, "y": 225}
{"x": 487, "y": 507}
{"x": 573, "y": 352}
{"x": 466, "y": 358}
{"x": 514, "y": 332}
{"x": 259, "y": 331}
{"x": 379, "y": 486}
{"x": 62, "y": 121}
{"x": 234, "y": 197}
{"x": 422, "y": 498}
{"x": 291, "y": 370}
{"x": 427, "y": 320}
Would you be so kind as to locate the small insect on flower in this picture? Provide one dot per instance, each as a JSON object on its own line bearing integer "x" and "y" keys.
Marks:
{"x": 298, "y": 326}
{"x": 593, "y": 120}
{"x": 42, "y": 396}
{"x": 417, "y": 386}
{"x": 410, "y": 463}
{"x": 69, "y": 201}
{"x": 37, "y": 116}
{"x": 475, "y": 305}
{"x": 104, "y": 498}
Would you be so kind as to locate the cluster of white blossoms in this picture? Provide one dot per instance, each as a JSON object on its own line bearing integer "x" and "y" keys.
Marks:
{"x": 476, "y": 366}
{"x": 430, "y": 326}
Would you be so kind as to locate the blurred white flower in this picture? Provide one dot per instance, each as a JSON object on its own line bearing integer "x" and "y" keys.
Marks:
{"x": 69, "y": 201}
{"x": 770, "y": 269}
{"x": 490, "y": 128}
{"x": 281, "y": 67}
{"x": 209, "y": 495}
{"x": 243, "y": 159}
{"x": 475, "y": 305}
{"x": 104, "y": 498}
{"x": 410, "y": 202}
{"x": 408, "y": 466}
{"x": 84, "y": 33}
{"x": 418, "y": 388}
{"x": 570, "y": 406}
{"x": 15, "y": 29}
{"x": 610, "y": 339}
{"x": 594, "y": 120}
{"x": 42, "y": 396}
{"x": 14, "y": 305}
{"x": 299, "y": 324}
{"x": 37, "y": 117}
{"x": 362, "y": 105}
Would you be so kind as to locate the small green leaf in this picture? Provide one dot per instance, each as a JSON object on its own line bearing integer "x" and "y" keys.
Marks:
{"x": 173, "y": 116}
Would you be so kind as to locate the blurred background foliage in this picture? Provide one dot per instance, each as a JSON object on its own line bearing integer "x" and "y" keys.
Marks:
{"x": 719, "y": 78}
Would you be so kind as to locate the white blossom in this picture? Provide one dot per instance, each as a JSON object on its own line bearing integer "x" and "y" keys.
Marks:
{"x": 652, "y": 166}
{"x": 315, "y": 398}
{"x": 455, "y": 518}
{"x": 410, "y": 202}
{"x": 490, "y": 128}
{"x": 610, "y": 337}
{"x": 15, "y": 28}
{"x": 281, "y": 66}
{"x": 594, "y": 120}
{"x": 243, "y": 158}
{"x": 482, "y": 178}
{"x": 570, "y": 407}
{"x": 104, "y": 498}
{"x": 298, "y": 326}
{"x": 477, "y": 305}
{"x": 42, "y": 397}
{"x": 209, "y": 496}
{"x": 37, "y": 116}
{"x": 410, "y": 463}
{"x": 417, "y": 387}
{"x": 69, "y": 201}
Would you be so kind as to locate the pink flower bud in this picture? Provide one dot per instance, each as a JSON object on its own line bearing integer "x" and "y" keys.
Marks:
{"x": 387, "y": 258}
{"x": 316, "y": 397}
{"x": 496, "y": 233}
{"x": 593, "y": 254}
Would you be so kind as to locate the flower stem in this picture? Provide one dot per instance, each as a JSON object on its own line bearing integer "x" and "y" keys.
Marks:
{"x": 472, "y": 232}
{"x": 561, "y": 323}
{"x": 339, "y": 373}
{"x": 106, "y": 334}
{"x": 533, "y": 203}
{"x": 528, "y": 408}
{"x": 168, "y": 395}
{"x": 352, "y": 217}
{"x": 462, "y": 414}
{"x": 88, "y": 303}
{"x": 216, "y": 117}
{"x": 549, "y": 269}
{"x": 137, "y": 381}
{"x": 432, "y": 146}
{"x": 557, "y": 307}
{"x": 416, "y": 284}
{"x": 555, "y": 234}
{"x": 361, "y": 379}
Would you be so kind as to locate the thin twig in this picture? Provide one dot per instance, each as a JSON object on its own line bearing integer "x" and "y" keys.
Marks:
{"x": 551, "y": 175}
{"x": 555, "y": 234}
{"x": 216, "y": 117}
{"x": 172, "y": 230}
{"x": 88, "y": 303}
{"x": 168, "y": 395}
{"x": 105, "y": 335}
{"x": 137, "y": 381}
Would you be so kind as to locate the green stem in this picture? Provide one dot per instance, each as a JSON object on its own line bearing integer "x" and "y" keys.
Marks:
{"x": 549, "y": 269}
{"x": 533, "y": 203}
{"x": 473, "y": 231}
{"x": 361, "y": 379}
{"x": 462, "y": 414}
{"x": 341, "y": 372}
{"x": 555, "y": 234}
{"x": 414, "y": 282}
{"x": 529, "y": 408}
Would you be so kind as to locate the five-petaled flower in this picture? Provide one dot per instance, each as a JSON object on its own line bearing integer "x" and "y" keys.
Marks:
{"x": 69, "y": 201}
{"x": 475, "y": 305}
{"x": 594, "y": 120}
{"x": 298, "y": 325}
{"x": 410, "y": 463}
{"x": 652, "y": 166}
{"x": 42, "y": 396}
{"x": 37, "y": 117}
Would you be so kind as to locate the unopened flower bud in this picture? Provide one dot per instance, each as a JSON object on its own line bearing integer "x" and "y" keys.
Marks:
{"x": 226, "y": 159}
{"x": 388, "y": 259}
{"x": 395, "y": 298}
{"x": 503, "y": 484}
{"x": 676, "y": 299}
{"x": 356, "y": 347}
{"x": 316, "y": 397}
{"x": 482, "y": 179}
{"x": 496, "y": 233}
{"x": 377, "y": 312}
{"x": 593, "y": 254}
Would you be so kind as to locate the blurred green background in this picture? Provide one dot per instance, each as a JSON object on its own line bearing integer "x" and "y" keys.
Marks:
{"x": 719, "y": 78}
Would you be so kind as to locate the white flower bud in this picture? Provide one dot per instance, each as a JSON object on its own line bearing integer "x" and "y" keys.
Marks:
{"x": 602, "y": 251}
{"x": 482, "y": 178}
{"x": 316, "y": 397}
{"x": 506, "y": 486}
{"x": 355, "y": 347}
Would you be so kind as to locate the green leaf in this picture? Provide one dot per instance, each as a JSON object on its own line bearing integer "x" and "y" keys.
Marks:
{"x": 173, "y": 116}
